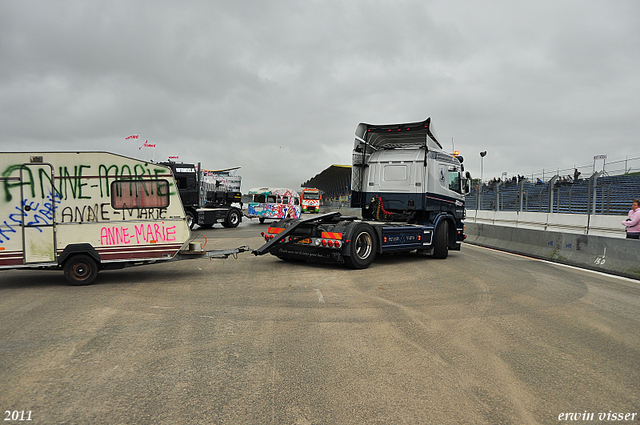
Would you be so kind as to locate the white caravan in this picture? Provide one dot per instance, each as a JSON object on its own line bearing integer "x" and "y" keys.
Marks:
{"x": 86, "y": 211}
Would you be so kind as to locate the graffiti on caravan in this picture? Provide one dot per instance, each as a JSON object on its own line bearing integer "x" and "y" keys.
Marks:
{"x": 74, "y": 182}
{"x": 141, "y": 233}
{"x": 104, "y": 212}
{"x": 35, "y": 213}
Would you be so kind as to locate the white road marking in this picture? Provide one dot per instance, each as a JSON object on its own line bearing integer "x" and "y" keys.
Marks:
{"x": 628, "y": 279}
{"x": 320, "y": 297}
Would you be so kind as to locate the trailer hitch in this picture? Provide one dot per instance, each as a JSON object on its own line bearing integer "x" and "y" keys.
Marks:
{"x": 195, "y": 251}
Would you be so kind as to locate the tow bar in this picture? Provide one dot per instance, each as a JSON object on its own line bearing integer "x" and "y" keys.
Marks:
{"x": 195, "y": 251}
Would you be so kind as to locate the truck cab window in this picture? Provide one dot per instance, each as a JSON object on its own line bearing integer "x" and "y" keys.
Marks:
{"x": 454, "y": 180}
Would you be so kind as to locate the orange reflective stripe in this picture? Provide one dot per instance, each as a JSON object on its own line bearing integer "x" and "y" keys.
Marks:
{"x": 332, "y": 235}
{"x": 276, "y": 230}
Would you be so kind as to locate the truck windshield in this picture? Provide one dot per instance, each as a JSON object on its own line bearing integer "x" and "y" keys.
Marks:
{"x": 311, "y": 195}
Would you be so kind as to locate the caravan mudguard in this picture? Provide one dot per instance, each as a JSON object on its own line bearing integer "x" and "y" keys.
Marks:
{"x": 78, "y": 248}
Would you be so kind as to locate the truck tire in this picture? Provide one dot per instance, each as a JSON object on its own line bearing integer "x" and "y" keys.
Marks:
{"x": 81, "y": 269}
{"x": 233, "y": 219}
{"x": 441, "y": 241}
{"x": 362, "y": 248}
{"x": 191, "y": 219}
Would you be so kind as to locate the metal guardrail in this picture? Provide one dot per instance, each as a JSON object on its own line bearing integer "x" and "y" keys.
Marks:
{"x": 598, "y": 194}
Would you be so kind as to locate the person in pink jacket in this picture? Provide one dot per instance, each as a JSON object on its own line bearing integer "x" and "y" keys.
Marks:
{"x": 633, "y": 222}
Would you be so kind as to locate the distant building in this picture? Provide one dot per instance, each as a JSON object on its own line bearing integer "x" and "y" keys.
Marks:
{"x": 334, "y": 182}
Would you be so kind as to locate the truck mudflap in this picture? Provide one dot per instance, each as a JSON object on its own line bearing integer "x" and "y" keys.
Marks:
{"x": 306, "y": 253}
{"x": 266, "y": 248}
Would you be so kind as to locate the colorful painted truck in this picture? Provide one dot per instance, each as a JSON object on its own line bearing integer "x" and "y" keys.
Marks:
{"x": 87, "y": 211}
{"x": 273, "y": 203}
{"x": 310, "y": 200}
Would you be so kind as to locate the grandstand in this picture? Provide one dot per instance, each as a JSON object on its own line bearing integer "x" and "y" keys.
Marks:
{"x": 613, "y": 195}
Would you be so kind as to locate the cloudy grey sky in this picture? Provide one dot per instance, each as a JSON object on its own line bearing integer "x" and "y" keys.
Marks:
{"x": 278, "y": 87}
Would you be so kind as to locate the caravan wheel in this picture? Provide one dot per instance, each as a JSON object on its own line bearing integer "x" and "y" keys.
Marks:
{"x": 81, "y": 270}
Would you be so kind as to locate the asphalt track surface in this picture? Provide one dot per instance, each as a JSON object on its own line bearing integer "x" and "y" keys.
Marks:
{"x": 483, "y": 337}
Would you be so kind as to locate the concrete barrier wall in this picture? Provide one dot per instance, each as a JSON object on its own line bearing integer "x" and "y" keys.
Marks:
{"x": 554, "y": 237}
{"x": 606, "y": 254}
{"x": 597, "y": 225}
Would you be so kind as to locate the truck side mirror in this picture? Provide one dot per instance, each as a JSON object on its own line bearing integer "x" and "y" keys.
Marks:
{"x": 466, "y": 183}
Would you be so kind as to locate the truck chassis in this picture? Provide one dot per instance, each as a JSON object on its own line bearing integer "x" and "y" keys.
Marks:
{"x": 334, "y": 238}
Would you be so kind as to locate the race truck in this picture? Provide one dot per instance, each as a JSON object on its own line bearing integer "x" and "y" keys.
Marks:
{"x": 205, "y": 203}
{"x": 411, "y": 193}
{"x": 310, "y": 200}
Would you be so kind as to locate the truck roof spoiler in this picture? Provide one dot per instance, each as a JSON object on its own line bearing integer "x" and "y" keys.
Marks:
{"x": 390, "y": 136}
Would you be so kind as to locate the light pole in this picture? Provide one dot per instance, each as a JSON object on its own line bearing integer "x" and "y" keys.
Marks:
{"x": 482, "y": 155}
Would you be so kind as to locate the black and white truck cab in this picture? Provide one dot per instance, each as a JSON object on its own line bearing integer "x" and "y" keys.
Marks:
{"x": 204, "y": 204}
{"x": 411, "y": 193}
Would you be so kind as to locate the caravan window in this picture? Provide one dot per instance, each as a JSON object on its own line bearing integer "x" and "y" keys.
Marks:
{"x": 259, "y": 198}
{"x": 271, "y": 199}
{"x": 139, "y": 194}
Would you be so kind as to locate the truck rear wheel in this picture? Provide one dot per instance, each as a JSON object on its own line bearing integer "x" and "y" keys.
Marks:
{"x": 233, "y": 219}
{"x": 81, "y": 270}
{"x": 191, "y": 219}
{"x": 441, "y": 241}
{"x": 362, "y": 248}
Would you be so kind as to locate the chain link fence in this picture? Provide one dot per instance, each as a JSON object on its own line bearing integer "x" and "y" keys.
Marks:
{"x": 622, "y": 166}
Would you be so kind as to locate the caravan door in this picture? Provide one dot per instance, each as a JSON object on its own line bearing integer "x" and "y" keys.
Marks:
{"x": 38, "y": 213}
